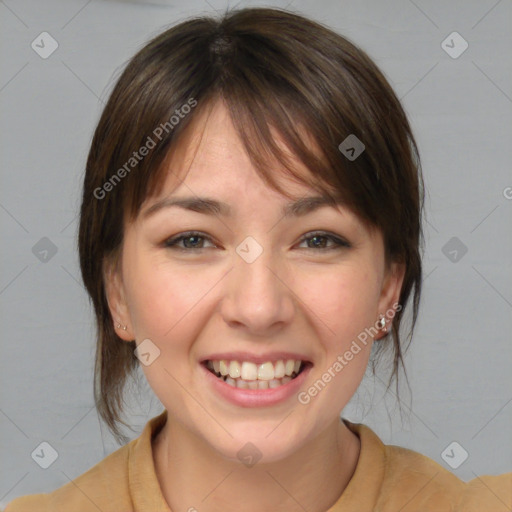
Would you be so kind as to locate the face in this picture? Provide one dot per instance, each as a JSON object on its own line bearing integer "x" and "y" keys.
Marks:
{"x": 250, "y": 284}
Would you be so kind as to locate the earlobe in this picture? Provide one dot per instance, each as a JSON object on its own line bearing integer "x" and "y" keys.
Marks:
{"x": 115, "y": 294}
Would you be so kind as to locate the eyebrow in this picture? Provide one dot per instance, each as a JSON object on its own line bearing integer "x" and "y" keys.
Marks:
{"x": 209, "y": 206}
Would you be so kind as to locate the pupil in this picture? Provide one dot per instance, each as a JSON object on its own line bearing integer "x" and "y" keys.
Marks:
{"x": 317, "y": 238}
{"x": 190, "y": 238}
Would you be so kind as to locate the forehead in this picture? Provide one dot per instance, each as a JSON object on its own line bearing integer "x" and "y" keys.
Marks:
{"x": 211, "y": 156}
{"x": 209, "y": 171}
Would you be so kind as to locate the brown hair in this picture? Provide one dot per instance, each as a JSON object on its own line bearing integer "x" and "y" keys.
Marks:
{"x": 274, "y": 70}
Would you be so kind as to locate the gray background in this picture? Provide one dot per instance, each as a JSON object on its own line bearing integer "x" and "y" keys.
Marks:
{"x": 461, "y": 111}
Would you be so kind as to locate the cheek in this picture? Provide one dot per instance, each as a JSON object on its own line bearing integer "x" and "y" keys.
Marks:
{"x": 165, "y": 305}
{"x": 163, "y": 300}
{"x": 345, "y": 302}
{"x": 160, "y": 296}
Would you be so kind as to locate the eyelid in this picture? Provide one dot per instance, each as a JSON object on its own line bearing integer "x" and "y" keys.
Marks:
{"x": 171, "y": 242}
{"x": 338, "y": 241}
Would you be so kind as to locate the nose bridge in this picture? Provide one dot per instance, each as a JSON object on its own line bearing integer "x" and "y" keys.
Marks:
{"x": 257, "y": 296}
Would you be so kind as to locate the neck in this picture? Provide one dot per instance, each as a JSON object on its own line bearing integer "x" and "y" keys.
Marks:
{"x": 193, "y": 476}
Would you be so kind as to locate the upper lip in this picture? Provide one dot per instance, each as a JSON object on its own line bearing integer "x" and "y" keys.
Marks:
{"x": 255, "y": 358}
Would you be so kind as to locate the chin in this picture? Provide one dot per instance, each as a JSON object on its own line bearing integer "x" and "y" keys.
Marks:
{"x": 254, "y": 445}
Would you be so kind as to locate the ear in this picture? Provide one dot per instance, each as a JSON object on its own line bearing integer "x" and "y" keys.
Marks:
{"x": 391, "y": 288}
{"x": 116, "y": 298}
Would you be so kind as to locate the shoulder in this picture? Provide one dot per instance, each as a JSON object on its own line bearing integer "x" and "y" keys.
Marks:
{"x": 103, "y": 487}
{"x": 488, "y": 491}
{"x": 123, "y": 481}
{"x": 416, "y": 482}
{"x": 408, "y": 481}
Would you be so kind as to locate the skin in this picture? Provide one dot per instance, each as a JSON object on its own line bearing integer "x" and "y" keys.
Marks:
{"x": 294, "y": 297}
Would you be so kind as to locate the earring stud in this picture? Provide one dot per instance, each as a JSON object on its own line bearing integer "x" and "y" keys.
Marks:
{"x": 124, "y": 327}
{"x": 381, "y": 324}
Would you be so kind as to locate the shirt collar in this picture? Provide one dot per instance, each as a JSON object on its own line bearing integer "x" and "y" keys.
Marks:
{"x": 362, "y": 490}
{"x": 360, "y": 494}
{"x": 143, "y": 483}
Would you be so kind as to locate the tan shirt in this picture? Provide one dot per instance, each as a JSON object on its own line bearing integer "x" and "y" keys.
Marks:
{"x": 386, "y": 479}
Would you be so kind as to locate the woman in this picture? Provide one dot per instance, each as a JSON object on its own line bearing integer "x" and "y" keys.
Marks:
{"x": 250, "y": 228}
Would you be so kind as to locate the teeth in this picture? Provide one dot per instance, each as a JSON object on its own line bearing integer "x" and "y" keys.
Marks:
{"x": 257, "y": 384}
{"x": 289, "y": 367}
{"x": 266, "y": 371}
{"x": 223, "y": 367}
{"x": 249, "y": 371}
{"x": 240, "y": 383}
{"x": 279, "y": 370}
{"x": 234, "y": 370}
{"x": 255, "y": 374}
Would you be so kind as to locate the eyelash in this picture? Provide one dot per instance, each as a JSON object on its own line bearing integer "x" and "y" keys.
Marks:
{"x": 339, "y": 243}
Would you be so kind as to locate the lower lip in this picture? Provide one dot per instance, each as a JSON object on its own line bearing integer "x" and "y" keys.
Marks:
{"x": 256, "y": 397}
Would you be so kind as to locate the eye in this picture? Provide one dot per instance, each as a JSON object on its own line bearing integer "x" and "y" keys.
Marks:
{"x": 194, "y": 240}
{"x": 320, "y": 238}
{"x": 191, "y": 240}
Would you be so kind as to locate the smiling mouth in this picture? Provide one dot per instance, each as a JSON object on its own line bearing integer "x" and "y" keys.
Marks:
{"x": 249, "y": 376}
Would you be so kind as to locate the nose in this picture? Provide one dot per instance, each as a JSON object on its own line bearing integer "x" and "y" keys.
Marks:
{"x": 258, "y": 297}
